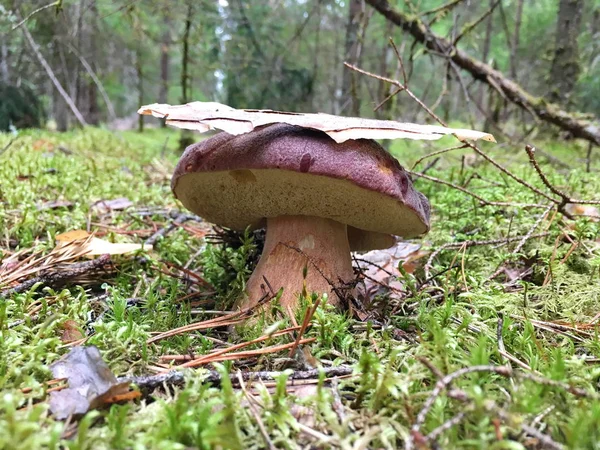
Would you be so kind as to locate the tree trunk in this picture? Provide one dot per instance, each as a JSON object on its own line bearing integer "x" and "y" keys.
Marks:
{"x": 549, "y": 112}
{"x": 336, "y": 98}
{"x": 4, "y": 61}
{"x": 487, "y": 43}
{"x": 60, "y": 112}
{"x": 514, "y": 51}
{"x": 595, "y": 34}
{"x": 315, "y": 69}
{"x": 140, "y": 84}
{"x": 78, "y": 94}
{"x": 164, "y": 65}
{"x": 565, "y": 64}
{"x": 386, "y": 57}
{"x": 93, "y": 112}
{"x": 185, "y": 138}
{"x": 350, "y": 94}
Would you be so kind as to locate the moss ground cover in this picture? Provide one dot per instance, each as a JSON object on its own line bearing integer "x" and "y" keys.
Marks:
{"x": 538, "y": 315}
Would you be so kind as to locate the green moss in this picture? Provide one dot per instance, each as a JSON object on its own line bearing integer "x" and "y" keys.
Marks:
{"x": 450, "y": 326}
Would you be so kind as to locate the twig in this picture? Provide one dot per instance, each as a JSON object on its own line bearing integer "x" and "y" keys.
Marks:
{"x": 458, "y": 418}
{"x": 34, "y": 12}
{"x": 544, "y": 439}
{"x": 229, "y": 319}
{"x": 57, "y": 278}
{"x": 337, "y": 405}
{"x": 472, "y": 194}
{"x": 565, "y": 198}
{"x": 444, "y": 382}
{"x": 443, "y": 123}
{"x": 499, "y": 327}
{"x": 446, "y": 7}
{"x": 438, "y": 152}
{"x": 523, "y": 241}
{"x": 210, "y": 356}
{"x": 470, "y": 26}
{"x": 148, "y": 383}
{"x": 503, "y": 241}
{"x": 532, "y": 229}
{"x": 109, "y": 106}
{"x": 7, "y": 146}
{"x": 577, "y": 392}
{"x": 178, "y": 219}
{"x": 256, "y": 414}
{"x": 310, "y": 312}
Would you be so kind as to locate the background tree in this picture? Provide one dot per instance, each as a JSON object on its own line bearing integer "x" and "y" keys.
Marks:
{"x": 565, "y": 68}
{"x": 289, "y": 54}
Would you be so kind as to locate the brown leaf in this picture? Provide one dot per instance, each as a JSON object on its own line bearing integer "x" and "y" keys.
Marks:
{"x": 91, "y": 383}
{"x": 106, "y": 206}
{"x": 381, "y": 266}
{"x": 205, "y": 116}
{"x": 71, "y": 332}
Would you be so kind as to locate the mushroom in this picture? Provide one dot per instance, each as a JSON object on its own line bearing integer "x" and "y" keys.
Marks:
{"x": 318, "y": 199}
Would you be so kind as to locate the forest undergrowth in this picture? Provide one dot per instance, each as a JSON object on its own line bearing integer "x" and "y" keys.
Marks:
{"x": 483, "y": 336}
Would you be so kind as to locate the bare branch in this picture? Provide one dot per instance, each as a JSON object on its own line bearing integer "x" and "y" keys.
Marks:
{"x": 90, "y": 71}
{"x": 548, "y": 112}
{"x": 33, "y": 13}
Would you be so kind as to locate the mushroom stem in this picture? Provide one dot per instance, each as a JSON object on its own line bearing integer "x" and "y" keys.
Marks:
{"x": 293, "y": 243}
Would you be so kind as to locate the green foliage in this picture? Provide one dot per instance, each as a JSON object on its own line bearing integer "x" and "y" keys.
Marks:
{"x": 449, "y": 328}
{"x": 20, "y": 108}
{"x": 227, "y": 267}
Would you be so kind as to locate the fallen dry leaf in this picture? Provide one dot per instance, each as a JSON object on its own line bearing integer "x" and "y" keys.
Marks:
{"x": 94, "y": 246}
{"x": 91, "y": 383}
{"x": 54, "y": 205}
{"x": 583, "y": 210}
{"x": 70, "y": 332}
{"x": 71, "y": 236}
{"x": 205, "y": 116}
{"x": 106, "y": 206}
{"x": 381, "y": 266}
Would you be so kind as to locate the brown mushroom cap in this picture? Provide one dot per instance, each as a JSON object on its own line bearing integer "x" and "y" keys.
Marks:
{"x": 238, "y": 181}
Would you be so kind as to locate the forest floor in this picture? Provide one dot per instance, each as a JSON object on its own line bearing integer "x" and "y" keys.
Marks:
{"x": 484, "y": 337}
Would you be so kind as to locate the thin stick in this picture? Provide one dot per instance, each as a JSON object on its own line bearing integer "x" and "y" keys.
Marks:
{"x": 451, "y": 245}
{"x": 310, "y": 312}
{"x": 97, "y": 82}
{"x": 34, "y": 12}
{"x": 229, "y": 319}
{"x": 438, "y": 152}
{"x": 565, "y": 197}
{"x": 149, "y": 383}
{"x": 478, "y": 197}
{"x": 256, "y": 414}
{"x": 458, "y": 418}
{"x": 444, "y": 382}
{"x": 245, "y": 354}
{"x": 441, "y": 122}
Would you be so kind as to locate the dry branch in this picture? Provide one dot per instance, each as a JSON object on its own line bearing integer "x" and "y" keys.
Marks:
{"x": 177, "y": 378}
{"x": 59, "y": 277}
{"x": 548, "y": 112}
